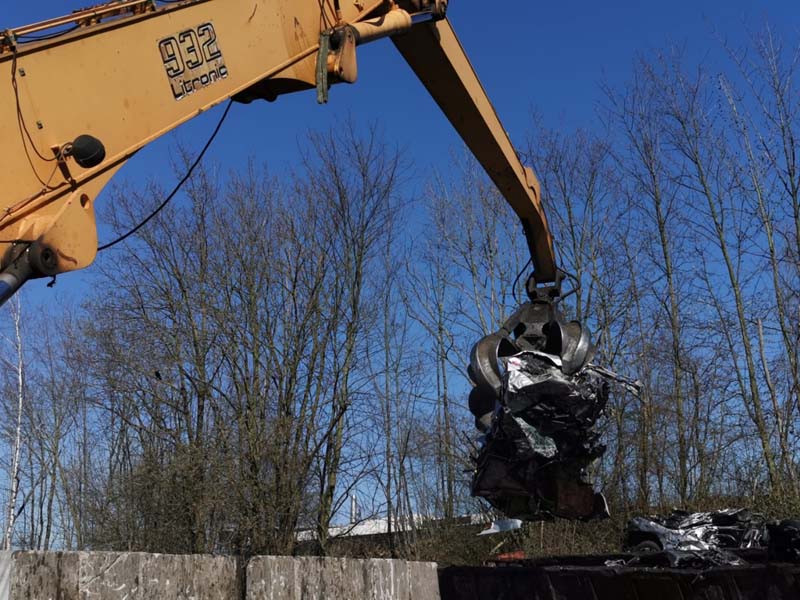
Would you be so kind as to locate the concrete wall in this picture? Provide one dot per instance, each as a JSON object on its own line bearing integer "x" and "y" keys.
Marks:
{"x": 286, "y": 578}
{"x": 5, "y": 574}
{"x": 128, "y": 576}
{"x": 134, "y": 576}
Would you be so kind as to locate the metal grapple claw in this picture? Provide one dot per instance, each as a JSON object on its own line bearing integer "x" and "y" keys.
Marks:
{"x": 537, "y": 404}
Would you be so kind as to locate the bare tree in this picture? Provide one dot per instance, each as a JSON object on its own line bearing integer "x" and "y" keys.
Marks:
{"x": 16, "y": 448}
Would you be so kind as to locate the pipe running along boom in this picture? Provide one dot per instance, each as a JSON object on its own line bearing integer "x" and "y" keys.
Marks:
{"x": 81, "y": 94}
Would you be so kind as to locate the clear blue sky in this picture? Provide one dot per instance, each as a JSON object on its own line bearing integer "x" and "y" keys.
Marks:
{"x": 544, "y": 55}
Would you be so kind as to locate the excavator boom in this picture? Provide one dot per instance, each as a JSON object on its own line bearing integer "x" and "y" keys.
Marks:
{"x": 436, "y": 56}
{"x": 81, "y": 94}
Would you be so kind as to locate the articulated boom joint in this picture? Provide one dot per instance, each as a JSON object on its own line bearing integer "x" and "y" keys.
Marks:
{"x": 436, "y": 8}
{"x": 544, "y": 293}
{"x": 337, "y": 56}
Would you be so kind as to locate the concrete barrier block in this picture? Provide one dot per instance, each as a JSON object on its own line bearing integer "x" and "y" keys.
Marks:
{"x": 287, "y": 578}
{"x": 386, "y": 579}
{"x": 338, "y": 578}
{"x": 122, "y": 576}
{"x": 5, "y": 575}
{"x": 215, "y": 578}
{"x": 45, "y": 575}
{"x": 424, "y": 581}
{"x": 309, "y": 578}
{"x": 109, "y": 575}
{"x": 352, "y": 571}
{"x": 167, "y": 576}
{"x": 270, "y": 577}
{"x": 135, "y": 576}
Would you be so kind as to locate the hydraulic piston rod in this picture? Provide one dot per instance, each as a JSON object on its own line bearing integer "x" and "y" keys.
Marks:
{"x": 17, "y": 273}
{"x": 26, "y": 260}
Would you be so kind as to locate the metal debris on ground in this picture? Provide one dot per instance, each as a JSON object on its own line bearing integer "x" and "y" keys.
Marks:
{"x": 704, "y": 540}
{"x": 502, "y": 526}
{"x": 696, "y": 532}
{"x": 681, "y": 559}
{"x": 537, "y": 400}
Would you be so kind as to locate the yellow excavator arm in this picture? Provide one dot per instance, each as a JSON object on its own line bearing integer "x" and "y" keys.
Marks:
{"x": 81, "y": 94}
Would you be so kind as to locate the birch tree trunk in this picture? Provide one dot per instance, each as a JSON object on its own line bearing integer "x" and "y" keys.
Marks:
{"x": 11, "y": 511}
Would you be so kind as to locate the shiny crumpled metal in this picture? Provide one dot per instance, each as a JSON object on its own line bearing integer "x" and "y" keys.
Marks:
{"x": 681, "y": 559}
{"x": 535, "y": 460}
{"x": 694, "y": 540}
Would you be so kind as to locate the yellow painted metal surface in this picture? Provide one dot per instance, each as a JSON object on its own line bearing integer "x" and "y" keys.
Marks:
{"x": 130, "y": 79}
{"x": 112, "y": 81}
{"x": 436, "y": 55}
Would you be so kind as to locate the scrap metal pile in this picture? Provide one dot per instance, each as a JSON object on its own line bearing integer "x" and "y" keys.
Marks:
{"x": 708, "y": 539}
{"x": 697, "y": 539}
{"x": 681, "y": 530}
{"x": 537, "y": 399}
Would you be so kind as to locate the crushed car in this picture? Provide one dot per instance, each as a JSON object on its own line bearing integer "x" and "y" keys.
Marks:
{"x": 698, "y": 532}
{"x": 537, "y": 400}
{"x": 728, "y": 537}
